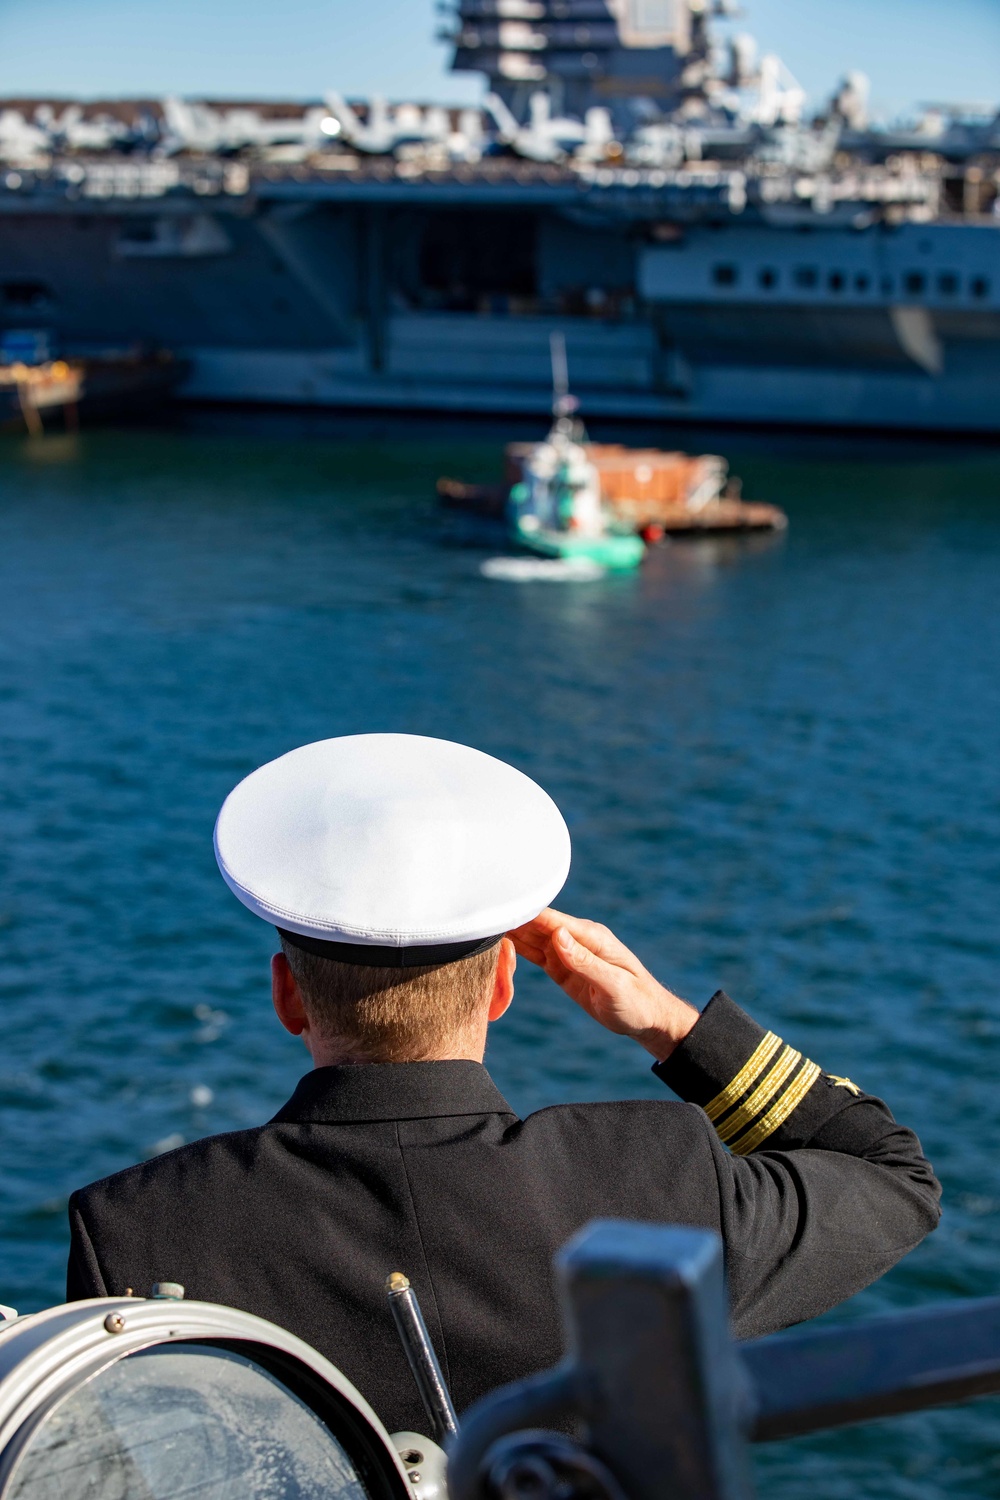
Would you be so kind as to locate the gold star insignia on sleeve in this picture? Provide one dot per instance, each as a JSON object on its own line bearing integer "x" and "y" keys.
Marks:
{"x": 843, "y": 1083}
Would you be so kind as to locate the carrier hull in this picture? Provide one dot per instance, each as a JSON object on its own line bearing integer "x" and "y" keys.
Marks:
{"x": 750, "y": 395}
{"x": 373, "y": 289}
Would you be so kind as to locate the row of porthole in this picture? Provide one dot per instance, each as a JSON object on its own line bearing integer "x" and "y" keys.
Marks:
{"x": 809, "y": 279}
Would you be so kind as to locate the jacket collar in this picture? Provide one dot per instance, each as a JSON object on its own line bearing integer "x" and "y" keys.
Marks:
{"x": 393, "y": 1091}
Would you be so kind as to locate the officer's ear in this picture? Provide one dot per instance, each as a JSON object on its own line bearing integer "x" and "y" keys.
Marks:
{"x": 286, "y": 997}
{"x": 503, "y": 982}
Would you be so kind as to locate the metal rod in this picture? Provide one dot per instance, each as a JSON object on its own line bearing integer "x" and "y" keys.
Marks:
{"x": 816, "y": 1378}
{"x": 420, "y": 1356}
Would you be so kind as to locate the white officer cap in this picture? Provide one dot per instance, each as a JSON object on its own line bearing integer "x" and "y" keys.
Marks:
{"x": 392, "y": 849}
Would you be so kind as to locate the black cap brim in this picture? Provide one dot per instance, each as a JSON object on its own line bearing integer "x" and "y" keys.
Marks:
{"x": 371, "y": 956}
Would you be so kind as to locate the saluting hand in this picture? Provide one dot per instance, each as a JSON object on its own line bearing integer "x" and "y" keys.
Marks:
{"x": 606, "y": 980}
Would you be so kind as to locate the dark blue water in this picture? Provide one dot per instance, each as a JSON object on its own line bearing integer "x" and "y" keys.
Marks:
{"x": 779, "y": 764}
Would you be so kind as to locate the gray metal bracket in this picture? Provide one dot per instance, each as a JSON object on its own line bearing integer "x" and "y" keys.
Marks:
{"x": 650, "y": 1370}
{"x": 665, "y": 1403}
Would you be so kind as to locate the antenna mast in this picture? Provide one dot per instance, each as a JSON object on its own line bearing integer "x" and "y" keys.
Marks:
{"x": 563, "y": 404}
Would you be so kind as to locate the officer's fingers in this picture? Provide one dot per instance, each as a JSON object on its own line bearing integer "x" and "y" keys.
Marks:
{"x": 582, "y": 961}
{"x": 553, "y": 965}
{"x": 542, "y": 954}
{"x": 595, "y": 937}
{"x": 535, "y": 934}
{"x": 528, "y": 946}
{"x": 598, "y": 939}
{"x": 535, "y": 941}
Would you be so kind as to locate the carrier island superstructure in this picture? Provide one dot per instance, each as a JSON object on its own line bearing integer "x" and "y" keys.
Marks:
{"x": 636, "y": 178}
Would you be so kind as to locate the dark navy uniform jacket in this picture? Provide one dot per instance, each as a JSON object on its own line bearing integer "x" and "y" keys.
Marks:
{"x": 424, "y": 1168}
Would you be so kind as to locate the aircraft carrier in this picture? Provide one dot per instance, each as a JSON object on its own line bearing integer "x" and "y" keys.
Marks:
{"x": 637, "y": 178}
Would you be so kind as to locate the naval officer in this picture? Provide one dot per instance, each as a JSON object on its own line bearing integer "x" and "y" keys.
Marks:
{"x": 404, "y": 875}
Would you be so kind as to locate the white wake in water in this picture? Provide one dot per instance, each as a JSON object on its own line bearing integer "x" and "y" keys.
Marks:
{"x": 541, "y": 569}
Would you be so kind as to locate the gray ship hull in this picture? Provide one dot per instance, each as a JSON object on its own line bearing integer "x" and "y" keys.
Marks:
{"x": 377, "y": 293}
{"x": 482, "y": 369}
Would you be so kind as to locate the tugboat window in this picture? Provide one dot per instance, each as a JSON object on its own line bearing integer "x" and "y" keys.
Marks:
{"x": 837, "y": 281}
{"x": 806, "y": 277}
{"x": 948, "y": 284}
{"x": 184, "y": 1419}
{"x": 768, "y": 278}
{"x": 862, "y": 281}
{"x": 980, "y": 287}
{"x": 915, "y": 282}
{"x": 726, "y": 275}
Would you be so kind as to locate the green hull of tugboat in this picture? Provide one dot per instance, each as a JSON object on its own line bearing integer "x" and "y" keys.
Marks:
{"x": 618, "y": 552}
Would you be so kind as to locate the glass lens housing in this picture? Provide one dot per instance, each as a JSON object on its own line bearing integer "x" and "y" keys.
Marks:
{"x": 184, "y": 1421}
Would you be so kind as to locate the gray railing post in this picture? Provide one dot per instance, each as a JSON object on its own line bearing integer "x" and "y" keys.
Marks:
{"x": 667, "y": 1402}
{"x": 661, "y": 1387}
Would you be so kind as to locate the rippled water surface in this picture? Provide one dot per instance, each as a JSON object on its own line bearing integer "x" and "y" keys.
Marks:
{"x": 779, "y": 762}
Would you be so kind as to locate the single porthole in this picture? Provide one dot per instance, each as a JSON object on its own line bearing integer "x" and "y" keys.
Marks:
{"x": 806, "y": 277}
{"x": 915, "y": 282}
{"x": 862, "y": 281}
{"x": 725, "y": 275}
{"x": 768, "y": 278}
{"x": 836, "y": 281}
{"x": 980, "y": 287}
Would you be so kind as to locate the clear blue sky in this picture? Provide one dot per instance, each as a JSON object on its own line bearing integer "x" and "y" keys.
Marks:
{"x": 913, "y": 50}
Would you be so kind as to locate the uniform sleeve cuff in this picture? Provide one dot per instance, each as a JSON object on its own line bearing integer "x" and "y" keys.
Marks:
{"x": 747, "y": 1080}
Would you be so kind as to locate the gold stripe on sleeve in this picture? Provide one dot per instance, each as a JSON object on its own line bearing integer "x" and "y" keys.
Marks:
{"x": 748, "y": 1075}
{"x": 753, "y": 1107}
{"x": 779, "y": 1112}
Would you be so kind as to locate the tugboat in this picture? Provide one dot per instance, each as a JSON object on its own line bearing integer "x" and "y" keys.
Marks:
{"x": 555, "y": 510}
{"x": 569, "y": 498}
